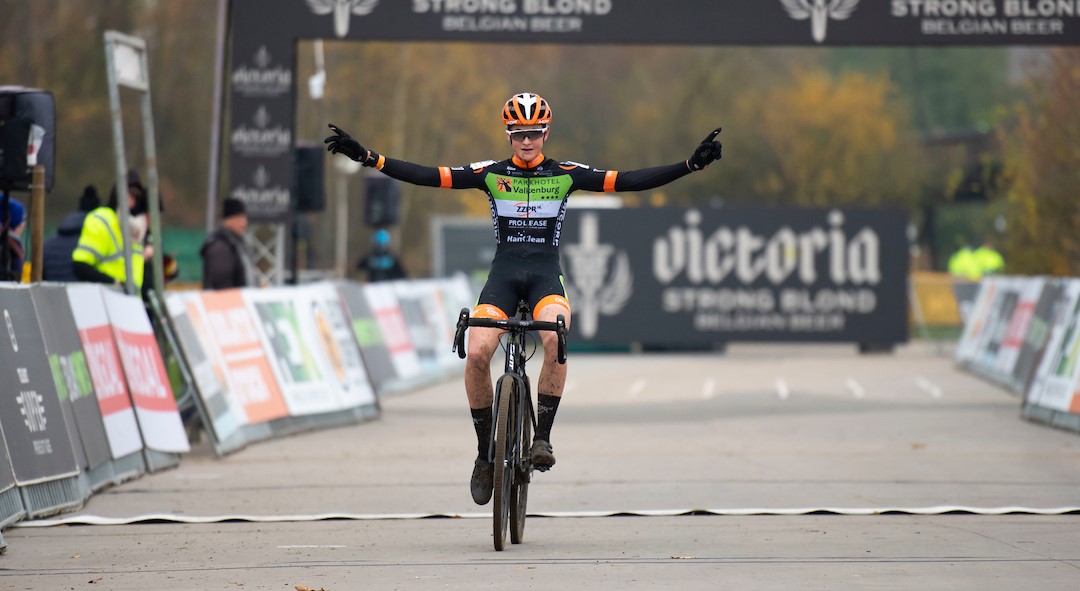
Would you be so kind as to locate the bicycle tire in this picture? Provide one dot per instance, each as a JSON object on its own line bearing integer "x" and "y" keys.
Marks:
{"x": 519, "y": 491}
{"x": 504, "y": 475}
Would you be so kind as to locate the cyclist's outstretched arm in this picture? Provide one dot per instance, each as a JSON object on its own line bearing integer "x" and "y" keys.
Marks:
{"x": 417, "y": 174}
{"x": 649, "y": 178}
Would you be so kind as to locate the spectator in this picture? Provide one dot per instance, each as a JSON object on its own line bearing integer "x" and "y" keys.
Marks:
{"x": 973, "y": 263}
{"x": 57, "y": 251}
{"x": 226, "y": 261}
{"x": 99, "y": 256}
{"x": 988, "y": 259}
{"x": 381, "y": 264}
{"x": 12, "y": 252}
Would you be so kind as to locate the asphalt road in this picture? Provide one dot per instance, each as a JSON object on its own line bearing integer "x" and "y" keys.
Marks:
{"x": 768, "y": 467}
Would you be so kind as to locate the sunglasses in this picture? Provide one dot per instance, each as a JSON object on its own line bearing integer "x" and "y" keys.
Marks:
{"x": 521, "y": 135}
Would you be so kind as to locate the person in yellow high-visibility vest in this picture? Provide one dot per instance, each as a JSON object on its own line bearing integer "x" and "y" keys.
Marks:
{"x": 973, "y": 263}
{"x": 99, "y": 256}
{"x": 989, "y": 260}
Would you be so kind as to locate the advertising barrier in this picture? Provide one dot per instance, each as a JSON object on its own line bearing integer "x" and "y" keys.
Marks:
{"x": 277, "y": 360}
{"x": 35, "y": 431}
{"x": 678, "y": 277}
{"x": 106, "y": 373}
{"x": 91, "y": 402}
{"x": 75, "y": 387}
{"x": 152, "y": 395}
{"x": 1057, "y": 383}
{"x": 373, "y": 346}
{"x": 30, "y": 414}
{"x": 1024, "y": 333}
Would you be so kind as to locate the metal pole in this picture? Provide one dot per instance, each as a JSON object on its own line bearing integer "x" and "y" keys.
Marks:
{"x": 342, "y": 225}
{"x": 215, "y": 116}
{"x": 121, "y": 162}
{"x": 154, "y": 198}
{"x": 37, "y": 222}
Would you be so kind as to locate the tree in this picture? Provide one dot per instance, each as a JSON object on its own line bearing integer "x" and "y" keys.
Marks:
{"x": 834, "y": 140}
{"x": 1044, "y": 164}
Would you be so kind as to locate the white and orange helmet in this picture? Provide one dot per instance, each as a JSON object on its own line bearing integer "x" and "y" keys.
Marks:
{"x": 526, "y": 108}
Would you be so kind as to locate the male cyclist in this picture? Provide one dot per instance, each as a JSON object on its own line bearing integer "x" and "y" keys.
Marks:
{"x": 527, "y": 194}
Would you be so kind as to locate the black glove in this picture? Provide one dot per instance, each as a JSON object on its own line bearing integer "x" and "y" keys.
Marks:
{"x": 705, "y": 153}
{"x": 343, "y": 143}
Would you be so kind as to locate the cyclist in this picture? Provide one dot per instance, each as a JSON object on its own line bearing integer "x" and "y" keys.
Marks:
{"x": 527, "y": 194}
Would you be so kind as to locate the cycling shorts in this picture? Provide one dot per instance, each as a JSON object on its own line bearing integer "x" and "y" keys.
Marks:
{"x": 535, "y": 277}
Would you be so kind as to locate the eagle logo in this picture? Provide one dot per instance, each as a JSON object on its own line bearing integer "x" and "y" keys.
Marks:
{"x": 819, "y": 12}
{"x": 343, "y": 11}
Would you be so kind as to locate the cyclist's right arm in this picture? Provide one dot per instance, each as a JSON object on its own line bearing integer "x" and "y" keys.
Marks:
{"x": 445, "y": 177}
{"x": 442, "y": 176}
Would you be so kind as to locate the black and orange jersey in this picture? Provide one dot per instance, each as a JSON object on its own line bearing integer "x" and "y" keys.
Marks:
{"x": 528, "y": 200}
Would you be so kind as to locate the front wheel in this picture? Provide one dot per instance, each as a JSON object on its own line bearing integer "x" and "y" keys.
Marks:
{"x": 506, "y": 394}
{"x": 519, "y": 492}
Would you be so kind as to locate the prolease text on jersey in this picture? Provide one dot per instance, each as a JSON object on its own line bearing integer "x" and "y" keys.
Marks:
{"x": 508, "y": 7}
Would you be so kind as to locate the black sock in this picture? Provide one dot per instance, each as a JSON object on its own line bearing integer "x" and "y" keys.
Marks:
{"x": 546, "y": 405}
{"x": 481, "y": 420}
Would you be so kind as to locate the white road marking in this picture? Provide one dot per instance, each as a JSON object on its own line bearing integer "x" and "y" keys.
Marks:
{"x": 637, "y": 387}
{"x": 929, "y": 387}
{"x": 294, "y": 546}
{"x": 782, "y": 389}
{"x": 708, "y": 388}
{"x": 856, "y": 389}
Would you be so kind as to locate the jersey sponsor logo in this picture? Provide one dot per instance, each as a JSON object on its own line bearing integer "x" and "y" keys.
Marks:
{"x": 504, "y": 185}
{"x": 524, "y": 209}
{"x": 478, "y": 166}
{"x": 525, "y": 238}
{"x": 535, "y": 223}
{"x": 520, "y": 208}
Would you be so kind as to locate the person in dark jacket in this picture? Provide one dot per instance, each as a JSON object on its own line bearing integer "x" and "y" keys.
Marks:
{"x": 56, "y": 252}
{"x": 226, "y": 261}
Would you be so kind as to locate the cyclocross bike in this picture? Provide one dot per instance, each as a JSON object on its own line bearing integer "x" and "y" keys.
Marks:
{"x": 515, "y": 417}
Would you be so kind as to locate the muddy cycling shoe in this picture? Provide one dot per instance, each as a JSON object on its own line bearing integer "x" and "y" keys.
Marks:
{"x": 483, "y": 475}
{"x": 541, "y": 455}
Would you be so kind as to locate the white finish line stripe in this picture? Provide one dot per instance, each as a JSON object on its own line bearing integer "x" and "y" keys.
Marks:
{"x": 173, "y": 518}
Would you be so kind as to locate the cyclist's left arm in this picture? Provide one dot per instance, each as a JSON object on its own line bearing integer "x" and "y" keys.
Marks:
{"x": 591, "y": 179}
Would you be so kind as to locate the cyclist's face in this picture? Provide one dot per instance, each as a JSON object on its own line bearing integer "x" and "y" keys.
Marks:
{"x": 527, "y": 140}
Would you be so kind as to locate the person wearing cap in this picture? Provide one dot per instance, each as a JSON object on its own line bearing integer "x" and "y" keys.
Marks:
{"x": 12, "y": 255}
{"x": 380, "y": 264}
{"x": 99, "y": 255}
{"x": 226, "y": 261}
{"x": 56, "y": 263}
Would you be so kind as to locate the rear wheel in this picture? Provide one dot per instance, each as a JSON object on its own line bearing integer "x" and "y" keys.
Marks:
{"x": 519, "y": 492}
{"x": 504, "y": 475}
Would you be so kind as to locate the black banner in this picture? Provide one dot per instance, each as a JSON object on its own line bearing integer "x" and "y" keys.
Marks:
{"x": 680, "y": 277}
{"x": 71, "y": 374}
{"x": 30, "y": 413}
{"x": 666, "y": 22}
